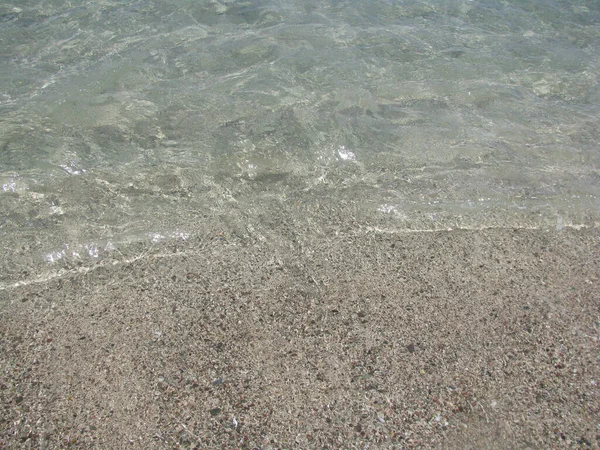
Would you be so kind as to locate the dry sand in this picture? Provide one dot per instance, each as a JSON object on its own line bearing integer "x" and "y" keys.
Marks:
{"x": 456, "y": 339}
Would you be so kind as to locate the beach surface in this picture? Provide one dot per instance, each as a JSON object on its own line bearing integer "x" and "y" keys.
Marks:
{"x": 354, "y": 339}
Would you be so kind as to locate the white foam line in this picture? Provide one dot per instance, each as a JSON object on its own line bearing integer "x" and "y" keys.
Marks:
{"x": 83, "y": 270}
{"x": 439, "y": 230}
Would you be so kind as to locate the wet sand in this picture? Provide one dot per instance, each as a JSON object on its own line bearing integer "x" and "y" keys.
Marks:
{"x": 451, "y": 339}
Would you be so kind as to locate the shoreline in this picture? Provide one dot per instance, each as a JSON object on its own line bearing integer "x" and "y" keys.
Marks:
{"x": 455, "y": 339}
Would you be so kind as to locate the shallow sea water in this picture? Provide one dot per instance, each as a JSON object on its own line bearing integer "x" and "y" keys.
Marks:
{"x": 130, "y": 125}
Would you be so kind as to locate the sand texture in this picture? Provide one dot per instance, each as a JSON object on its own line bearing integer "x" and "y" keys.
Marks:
{"x": 452, "y": 339}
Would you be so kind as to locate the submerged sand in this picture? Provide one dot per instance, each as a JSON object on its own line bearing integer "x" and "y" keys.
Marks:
{"x": 451, "y": 339}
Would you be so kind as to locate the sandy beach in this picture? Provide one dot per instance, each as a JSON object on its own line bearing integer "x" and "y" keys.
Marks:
{"x": 451, "y": 339}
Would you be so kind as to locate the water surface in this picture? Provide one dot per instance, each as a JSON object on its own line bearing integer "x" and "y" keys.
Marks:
{"x": 127, "y": 125}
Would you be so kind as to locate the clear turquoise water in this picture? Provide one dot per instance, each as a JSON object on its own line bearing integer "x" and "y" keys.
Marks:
{"x": 131, "y": 124}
